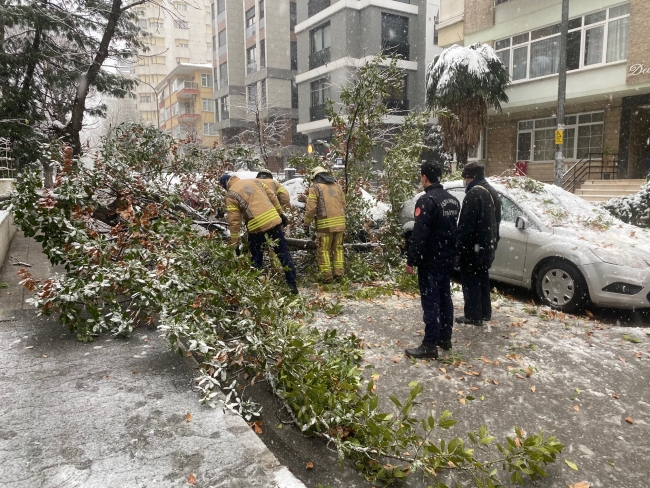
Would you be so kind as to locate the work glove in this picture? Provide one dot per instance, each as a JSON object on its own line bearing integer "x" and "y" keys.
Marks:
{"x": 285, "y": 220}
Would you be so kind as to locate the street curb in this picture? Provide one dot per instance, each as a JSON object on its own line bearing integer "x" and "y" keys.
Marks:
{"x": 278, "y": 473}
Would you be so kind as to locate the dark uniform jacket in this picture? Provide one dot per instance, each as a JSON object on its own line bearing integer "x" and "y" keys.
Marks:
{"x": 433, "y": 243}
{"x": 478, "y": 226}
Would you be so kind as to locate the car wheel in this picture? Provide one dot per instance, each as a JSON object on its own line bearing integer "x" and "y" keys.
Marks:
{"x": 561, "y": 286}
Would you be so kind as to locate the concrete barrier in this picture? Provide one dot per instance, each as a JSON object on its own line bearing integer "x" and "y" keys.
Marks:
{"x": 7, "y": 231}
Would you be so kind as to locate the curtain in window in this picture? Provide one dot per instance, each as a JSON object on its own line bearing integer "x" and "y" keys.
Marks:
{"x": 594, "y": 42}
{"x": 520, "y": 63}
{"x": 544, "y": 57}
{"x": 569, "y": 143}
{"x": 617, "y": 39}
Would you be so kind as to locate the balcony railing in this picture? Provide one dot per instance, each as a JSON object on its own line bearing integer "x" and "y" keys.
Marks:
{"x": 225, "y": 114}
{"x": 262, "y": 23}
{"x": 187, "y": 85}
{"x": 221, "y": 17}
{"x": 315, "y": 6}
{"x": 250, "y": 31}
{"x": 397, "y": 106}
{"x": 251, "y": 68}
{"x": 391, "y": 49}
{"x": 317, "y": 112}
{"x": 320, "y": 58}
{"x": 223, "y": 49}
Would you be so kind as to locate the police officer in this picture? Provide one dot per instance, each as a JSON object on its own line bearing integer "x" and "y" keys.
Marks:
{"x": 260, "y": 209}
{"x": 326, "y": 205}
{"x": 478, "y": 236}
{"x": 276, "y": 187}
{"x": 432, "y": 250}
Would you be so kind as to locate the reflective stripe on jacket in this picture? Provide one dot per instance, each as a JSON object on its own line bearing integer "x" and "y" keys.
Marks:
{"x": 255, "y": 203}
{"x": 326, "y": 205}
{"x": 279, "y": 191}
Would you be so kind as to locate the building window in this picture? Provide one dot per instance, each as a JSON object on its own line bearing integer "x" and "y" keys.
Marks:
{"x": 262, "y": 54}
{"x": 320, "y": 42}
{"x": 225, "y": 111}
{"x": 181, "y": 24}
{"x": 320, "y": 94}
{"x": 315, "y": 6}
{"x": 207, "y": 104}
{"x": 294, "y": 55}
{"x": 210, "y": 129}
{"x": 206, "y": 80}
{"x": 397, "y": 101}
{"x": 594, "y": 39}
{"x": 293, "y": 16}
{"x": 583, "y": 134}
{"x": 223, "y": 75}
{"x": 156, "y": 23}
{"x": 395, "y": 35}
{"x": 145, "y": 98}
{"x": 251, "y": 62}
{"x": 181, "y": 6}
{"x": 142, "y": 23}
{"x": 221, "y": 10}
{"x": 261, "y": 10}
{"x": 251, "y": 95}
{"x": 182, "y": 43}
{"x": 250, "y": 22}
{"x": 294, "y": 94}
{"x": 223, "y": 41}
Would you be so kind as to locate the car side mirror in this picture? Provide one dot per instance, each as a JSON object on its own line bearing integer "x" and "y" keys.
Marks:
{"x": 521, "y": 223}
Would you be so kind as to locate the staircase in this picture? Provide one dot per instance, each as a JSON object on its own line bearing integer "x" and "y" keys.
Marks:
{"x": 603, "y": 190}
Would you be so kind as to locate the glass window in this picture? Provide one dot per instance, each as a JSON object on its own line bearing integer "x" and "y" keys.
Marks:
{"x": 504, "y": 56}
{"x": 570, "y": 120}
{"x": 526, "y": 125}
{"x": 263, "y": 54}
{"x": 590, "y": 139}
{"x": 261, "y": 9}
{"x": 395, "y": 35}
{"x": 263, "y": 93}
{"x": 223, "y": 74}
{"x": 594, "y": 43}
{"x": 545, "y": 32}
{"x": 320, "y": 38}
{"x": 618, "y": 33}
{"x": 221, "y": 6}
{"x": 250, "y": 17}
{"x": 320, "y": 92}
{"x": 251, "y": 93}
{"x": 509, "y": 211}
{"x": 575, "y": 23}
{"x": 544, "y": 57}
{"x": 544, "y": 146}
{"x": 294, "y": 55}
{"x": 595, "y": 17}
{"x": 293, "y": 16}
{"x": 618, "y": 11}
{"x": 524, "y": 142}
{"x": 573, "y": 50}
{"x": 294, "y": 94}
{"x": 520, "y": 63}
{"x": 222, "y": 38}
{"x": 207, "y": 104}
{"x": 520, "y": 39}
{"x": 206, "y": 80}
{"x": 569, "y": 143}
{"x": 501, "y": 44}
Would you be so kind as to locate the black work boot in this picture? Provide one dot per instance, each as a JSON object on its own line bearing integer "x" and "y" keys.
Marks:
{"x": 423, "y": 351}
{"x": 446, "y": 345}
{"x": 465, "y": 320}
{"x": 294, "y": 290}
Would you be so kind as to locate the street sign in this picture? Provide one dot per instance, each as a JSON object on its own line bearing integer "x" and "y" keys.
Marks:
{"x": 559, "y": 137}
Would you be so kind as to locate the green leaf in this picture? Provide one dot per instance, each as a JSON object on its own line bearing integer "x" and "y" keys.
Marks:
{"x": 634, "y": 340}
{"x": 571, "y": 465}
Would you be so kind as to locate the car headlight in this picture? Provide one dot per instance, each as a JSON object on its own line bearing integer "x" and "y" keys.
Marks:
{"x": 619, "y": 258}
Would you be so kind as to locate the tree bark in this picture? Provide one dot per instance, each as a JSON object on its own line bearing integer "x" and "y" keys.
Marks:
{"x": 88, "y": 79}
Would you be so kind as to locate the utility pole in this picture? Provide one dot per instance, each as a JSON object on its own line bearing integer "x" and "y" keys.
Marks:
{"x": 561, "y": 96}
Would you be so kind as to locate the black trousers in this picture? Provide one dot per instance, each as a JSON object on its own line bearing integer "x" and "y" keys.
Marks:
{"x": 476, "y": 292}
{"x": 435, "y": 295}
{"x": 257, "y": 243}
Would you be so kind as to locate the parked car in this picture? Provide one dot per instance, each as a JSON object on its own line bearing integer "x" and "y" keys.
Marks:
{"x": 568, "y": 251}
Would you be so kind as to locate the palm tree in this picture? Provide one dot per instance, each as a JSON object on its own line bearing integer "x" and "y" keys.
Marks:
{"x": 467, "y": 81}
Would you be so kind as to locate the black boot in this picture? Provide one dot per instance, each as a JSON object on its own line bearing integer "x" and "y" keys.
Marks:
{"x": 423, "y": 351}
{"x": 465, "y": 320}
{"x": 294, "y": 290}
{"x": 446, "y": 345}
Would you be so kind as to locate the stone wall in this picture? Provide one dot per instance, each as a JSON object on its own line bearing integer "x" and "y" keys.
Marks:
{"x": 479, "y": 15}
{"x": 638, "y": 58}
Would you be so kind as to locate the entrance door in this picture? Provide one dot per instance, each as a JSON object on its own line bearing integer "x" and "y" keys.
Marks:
{"x": 639, "y": 152}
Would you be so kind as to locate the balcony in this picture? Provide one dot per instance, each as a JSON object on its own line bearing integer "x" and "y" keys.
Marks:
{"x": 187, "y": 89}
{"x": 250, "y": 31}
{"x": 315, "y": 6}
{"x": 223, "y": 49}
{"x": 391, "y": 49}
{"x": 251, "y": 68}
{"x": 317, "y": 112}
{"x": 221, "y": 17}
{"x": 262, "y": 23}
{"x": 225, "y": 115}
{"x": 397, "y": 106}
{"x": 223, "y": 82}
{"x": 320, "y": 58}
{"x": 188, "y": 115}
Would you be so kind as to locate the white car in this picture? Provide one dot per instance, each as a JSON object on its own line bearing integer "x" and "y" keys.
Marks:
{"x": 567, "y": 250}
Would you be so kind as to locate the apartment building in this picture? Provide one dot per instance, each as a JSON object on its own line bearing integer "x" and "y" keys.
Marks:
{"x": 187, "y": 106}
{"x": 180, "y": 33}
{"x": 608, "y": 80}
{"x": 254, "y": 63}
{"x": 335, "y": 36}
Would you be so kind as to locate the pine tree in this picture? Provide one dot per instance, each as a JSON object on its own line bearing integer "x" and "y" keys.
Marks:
{"x": 434, "y": 147}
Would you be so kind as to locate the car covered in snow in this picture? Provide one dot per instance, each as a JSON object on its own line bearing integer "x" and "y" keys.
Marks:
{"x": 568, "y": 251}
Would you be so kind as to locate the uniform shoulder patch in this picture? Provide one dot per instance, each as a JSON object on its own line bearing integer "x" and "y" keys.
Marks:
{"x": 418, "y": 211}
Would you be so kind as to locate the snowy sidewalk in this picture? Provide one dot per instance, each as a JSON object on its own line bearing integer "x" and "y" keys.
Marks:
{"x": 112, "y": 413}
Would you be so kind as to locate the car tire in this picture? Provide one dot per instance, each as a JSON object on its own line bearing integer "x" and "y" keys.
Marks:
{"x": 561, "y": 286}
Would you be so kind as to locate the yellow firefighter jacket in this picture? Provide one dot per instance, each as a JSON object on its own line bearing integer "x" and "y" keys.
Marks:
{"x": 279, "y": 190}
{"x": 326, "y": 204}
{"x": 255, "y": 202}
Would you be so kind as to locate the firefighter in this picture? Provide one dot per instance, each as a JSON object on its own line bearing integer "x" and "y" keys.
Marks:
{"x": 255, "y": 203}
{"x": 266, "y": 177}
{"x": 326, "y": 206}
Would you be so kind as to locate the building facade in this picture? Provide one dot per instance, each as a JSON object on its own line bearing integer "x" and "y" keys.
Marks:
{"x": 254, "y": 66}
{"x": 180, "y": 34}
{"x": 336, "y": 36}
{"x": 187, "y": 106}
{"x": 608, "y": 81}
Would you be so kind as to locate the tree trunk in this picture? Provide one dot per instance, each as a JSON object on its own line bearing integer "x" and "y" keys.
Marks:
{"x": 88, "y": 79}
{"x": 461, "y": 157}
{"x": 309, "y": 244}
